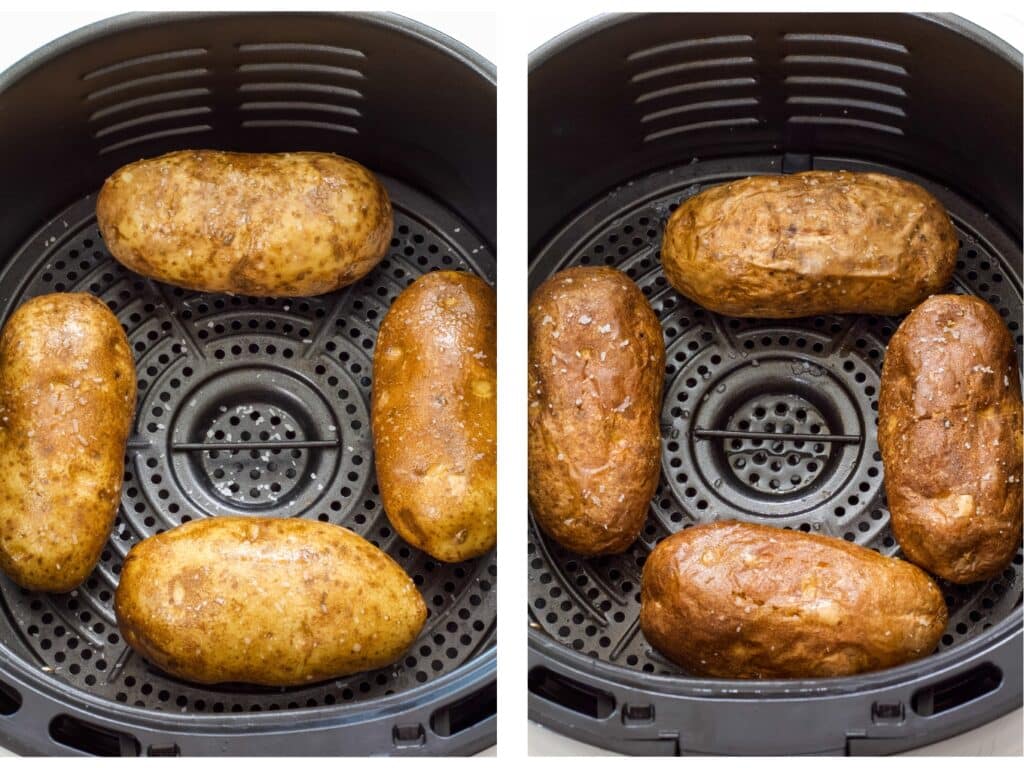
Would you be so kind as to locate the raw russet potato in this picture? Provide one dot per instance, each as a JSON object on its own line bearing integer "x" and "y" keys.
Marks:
{"x": 289, "y": 224}
{"x": 266, "y": 601}
{"x": 435, "y": 415}
{"x": 67, "y": 402}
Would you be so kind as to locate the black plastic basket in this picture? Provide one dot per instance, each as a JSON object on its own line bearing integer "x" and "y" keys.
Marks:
{"x": 417, "y": 108}
{"x": 628, "y": 116}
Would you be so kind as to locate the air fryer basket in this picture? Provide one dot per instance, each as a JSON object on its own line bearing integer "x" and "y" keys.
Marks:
{"x": 287, "y": 380}
{"x": 629, "y": 115}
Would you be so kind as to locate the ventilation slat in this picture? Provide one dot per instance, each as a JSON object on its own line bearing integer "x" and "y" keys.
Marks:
{"x": 684, "y": 45}
{"x": 292, "y": 87}
{"x": 145, "y": 101}
{"x": 163, "y": 77}
{"x": 845, "y": 82}
{"x": 845, "y": 61}
{"x": 301, "y": 67}
{"x": 170, "y": 114}
{"x": 313, "y": 106}
{"x": 299, "y": 124}
{"x": 700, "y": 106}
{"x": 687, "y": 66}
{"x": 832, "y": 40}
{"x": 848, "y": 122}
{"x": 153, "y": 58}
{"x": 705, "y": 125}
{"x": 334, "y": 50}
{"x": 155, "y": 135}
{"x": 827, "y": 101}
{"x": 701, "y": 85}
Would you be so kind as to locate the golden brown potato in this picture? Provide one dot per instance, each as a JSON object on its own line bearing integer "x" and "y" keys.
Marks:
{"x": 596, "y": 366}
{"x": 67, "y": 401}
{"x": 435, "y": 415}
{"x": 737, "y": 600}
{"x": 266, "y": 601}
{"x": 949, "y": 428}
{"x": 809, "y": 244}
{"x": 291, "y": 224}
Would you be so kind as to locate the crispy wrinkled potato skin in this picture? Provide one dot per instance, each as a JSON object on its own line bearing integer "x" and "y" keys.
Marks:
{"x": 812, "y": 243}
{"x": 67, "y": 401}
{"x": 291, "y": 224}
{"x": 435, "y": 415}
{"x": 949, "y": 428}
{"x": 596, "y": 366}
{"x": 738, "y": 600}
{"x": 265, "y": 601}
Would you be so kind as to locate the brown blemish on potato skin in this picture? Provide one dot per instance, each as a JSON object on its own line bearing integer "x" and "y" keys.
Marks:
{"x": 811, "y": 243}
{"x": 949, "y": 430}
{"x": 265, "y": 601}
{"x": 290, "y": 224}
{"x": 434, "y": 415}
{"x": 774, "y": 603}
{"x": 67, "y": 402}
{"x": 596, "y": 367}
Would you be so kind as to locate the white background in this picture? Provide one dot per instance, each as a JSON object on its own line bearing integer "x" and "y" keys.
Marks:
{"x": 506, "y": 37}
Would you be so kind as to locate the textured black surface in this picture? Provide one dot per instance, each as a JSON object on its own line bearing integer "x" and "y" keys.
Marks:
{"x": 812, "y": 376}
{"x": 212, "y": 368}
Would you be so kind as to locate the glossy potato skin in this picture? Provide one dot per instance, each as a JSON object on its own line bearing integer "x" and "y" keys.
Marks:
{"x": 738, "y": 600}
{"x": 266, "y": 601}
{"x": 435, "y": 415}
{"x": 596, "y": 367}
{"x": 67, "y": 402}
{"x": 290, "y": 224}
{"x": 811, "y": 243}
{"x": 949, "y": 429}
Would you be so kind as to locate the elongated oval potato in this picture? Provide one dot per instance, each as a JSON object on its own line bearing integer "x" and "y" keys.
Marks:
{"x": 67, "y": 401}
{"x": 596, "y": 366}
{"x": 435, "y": 415}
{"x": 738, "y": 600}
{"x": 810, "y": 243}
{"x": 266, "y": 601}
{"x": 949, "y": 428}
{"x": 291, "y": 224}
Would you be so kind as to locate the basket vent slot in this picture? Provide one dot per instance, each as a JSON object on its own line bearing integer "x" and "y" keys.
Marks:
{"x": 571, "y": 694}
{"x": 957, "y": 690}
{"x": 10, "y": 699}
{"x": 93, "y": 739}
{"x": 409, "y": 735}
{"x": 163, "y": 750}
{"x": 466, "y": 712}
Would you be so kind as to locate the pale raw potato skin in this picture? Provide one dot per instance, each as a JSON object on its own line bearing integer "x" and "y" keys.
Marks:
{"x": 949, "y": 429}
{"x": 266, "y": 601}
{"x": 596, "y": 367}
{"x": 67, "y": 403}
{"x": 811, "y": 243}
{"x": 435, "y": 415}
{"x": 738, "y": 600}
{"x": 291, "y": 224}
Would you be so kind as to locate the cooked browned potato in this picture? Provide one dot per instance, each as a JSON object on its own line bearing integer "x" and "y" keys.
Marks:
{"x": 67, "y": 401}
{"x": 435, "y": 415}
{"x": 596, "y": 365}
{"x": 808, "y": 244}
{"x": 737, "y": 600}
{"x": 266, "y": 601}
{"x": 949, "y": 428}
{"x": 292, "y": 224}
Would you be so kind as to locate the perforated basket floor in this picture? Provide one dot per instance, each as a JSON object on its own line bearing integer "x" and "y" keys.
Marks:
{"x": 228, "y": 369}
{"x": 817, "y": 376}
